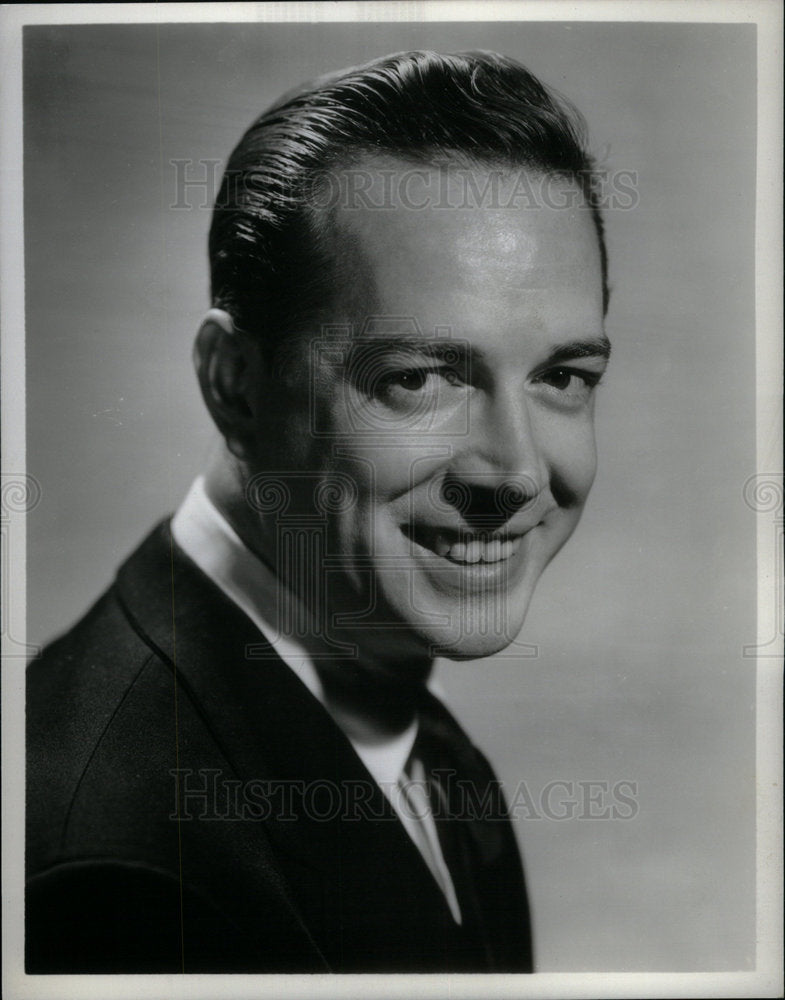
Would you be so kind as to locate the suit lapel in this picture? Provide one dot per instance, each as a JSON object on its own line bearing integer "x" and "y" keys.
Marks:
{"x": 349, "y": 863}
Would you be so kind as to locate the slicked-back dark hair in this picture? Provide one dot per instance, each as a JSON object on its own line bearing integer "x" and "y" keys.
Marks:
{"x": 271, "y": 267}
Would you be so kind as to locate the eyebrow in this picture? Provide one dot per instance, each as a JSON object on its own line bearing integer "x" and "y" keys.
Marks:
{"x": 593, "y": 347}
{"x": 450, "y": 350}
{"x": 596, "y": 347}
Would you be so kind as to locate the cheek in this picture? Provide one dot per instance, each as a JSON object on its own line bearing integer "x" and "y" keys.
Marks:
{"x": 572, "y": 461}
{"x": 285, "y": 438}
{"x": 383, "y": 472}
{"x": 381, "y": 477}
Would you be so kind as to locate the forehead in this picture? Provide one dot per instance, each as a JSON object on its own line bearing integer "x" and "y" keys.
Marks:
{"x": 469, "y": 244}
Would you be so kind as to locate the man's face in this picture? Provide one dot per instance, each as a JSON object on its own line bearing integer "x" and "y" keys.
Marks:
{"x": 450, "y": 406}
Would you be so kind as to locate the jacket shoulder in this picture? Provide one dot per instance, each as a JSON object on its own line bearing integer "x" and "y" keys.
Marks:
{"x": 118, "y": 738}
{"x": 95, "y": 660}
{"x": 77, "y": 691}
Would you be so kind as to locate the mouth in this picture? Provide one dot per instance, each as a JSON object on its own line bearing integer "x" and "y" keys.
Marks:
{"x": 464, "y": 546}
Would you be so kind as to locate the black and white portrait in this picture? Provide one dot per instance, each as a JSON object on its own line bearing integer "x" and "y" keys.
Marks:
{"x": 396, "y": 500}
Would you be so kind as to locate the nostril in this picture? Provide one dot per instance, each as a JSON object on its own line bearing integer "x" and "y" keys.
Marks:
{"x": 510, "y": 497}
{"x": 457, "y": 494}
{"x": 485, "y": 506}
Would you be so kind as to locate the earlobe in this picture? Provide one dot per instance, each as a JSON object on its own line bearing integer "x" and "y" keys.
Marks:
{"x": 223, "y": 367}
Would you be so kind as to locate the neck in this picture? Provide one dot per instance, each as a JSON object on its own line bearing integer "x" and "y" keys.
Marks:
{"x": 369, "y": 703}
{"x": 224, "y": 482}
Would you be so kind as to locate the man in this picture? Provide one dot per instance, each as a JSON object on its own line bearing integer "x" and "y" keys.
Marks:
{"x": 237, "y": 761}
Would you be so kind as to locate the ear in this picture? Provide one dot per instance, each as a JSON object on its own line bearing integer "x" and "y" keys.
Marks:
{"x": 225, "y": 363}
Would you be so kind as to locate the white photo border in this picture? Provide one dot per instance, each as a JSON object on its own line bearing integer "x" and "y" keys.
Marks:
{"x": 766, "y": 979}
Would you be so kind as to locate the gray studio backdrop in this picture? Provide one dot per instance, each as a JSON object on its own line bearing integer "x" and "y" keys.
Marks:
{"x": 640, "y": 622}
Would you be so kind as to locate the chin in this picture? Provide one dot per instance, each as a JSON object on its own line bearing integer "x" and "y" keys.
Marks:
{"x": 466, "y": 626}
{"x": 472, "y": 645}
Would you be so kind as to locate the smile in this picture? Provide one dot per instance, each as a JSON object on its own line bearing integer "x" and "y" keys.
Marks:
{"x": 465, "y": 547}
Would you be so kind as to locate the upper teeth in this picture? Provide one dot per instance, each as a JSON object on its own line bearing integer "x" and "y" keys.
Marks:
{"x": 476, "y": 550}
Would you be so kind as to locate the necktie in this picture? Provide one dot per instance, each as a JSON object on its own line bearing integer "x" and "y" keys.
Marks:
{"x": 418, "y": 818}
{"x": 465, "y": 805}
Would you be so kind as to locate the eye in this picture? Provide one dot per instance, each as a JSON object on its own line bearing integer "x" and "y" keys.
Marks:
{"x": 413, "y": 379}
{"x": 417, "y": 390}
{"x": 570, "y": 380}
{"x": 567, "y": 387}
{"x": 561, "y": 379}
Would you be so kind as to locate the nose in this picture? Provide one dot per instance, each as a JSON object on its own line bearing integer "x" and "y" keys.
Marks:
{"x": 501, "y": 472}
{"x": 483, "y": 506}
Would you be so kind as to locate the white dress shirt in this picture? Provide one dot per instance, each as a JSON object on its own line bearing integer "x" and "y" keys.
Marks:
{"x": 208, "y": 539}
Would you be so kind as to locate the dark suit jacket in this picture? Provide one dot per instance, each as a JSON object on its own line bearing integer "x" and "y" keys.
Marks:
{"x": 181, "y": 813}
